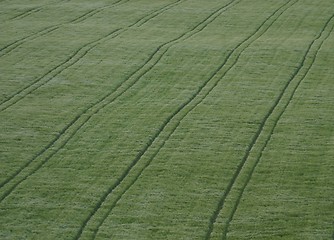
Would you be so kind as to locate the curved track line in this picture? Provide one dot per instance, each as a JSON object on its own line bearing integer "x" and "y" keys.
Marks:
{"x": 33, "y": 10}
{"x": 88, "y": 113}
{"x": 169, "y": 134}
{"x": 74, "y": 58}
{"x": 84, "y": 116}
{"x": 110, "y": 97}
{"x": 12, "y": 46}
{"x": 67, "y": 127}
{"x": 52, "y": 73}
{"x": 26, "y": 13}
{"x": 71, "y": 129}
{"x": 201, "y": 90}
{"x": 275, "y": 122}
{"x": 240, "y": 166}
{"x": 156, "y": 13}
{"x": 96, "y": 11}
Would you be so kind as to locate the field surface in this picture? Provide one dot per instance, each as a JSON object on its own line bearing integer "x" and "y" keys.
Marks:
{"x": 167, "y": 119}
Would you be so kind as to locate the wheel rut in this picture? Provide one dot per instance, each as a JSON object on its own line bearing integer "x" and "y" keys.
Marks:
{"x": 75, "y": 124}
{"x": 267, "y": 128}
{"x": 170, "y": 125}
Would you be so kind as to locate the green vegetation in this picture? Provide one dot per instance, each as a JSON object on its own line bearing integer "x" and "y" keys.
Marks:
{"x": 175, "y": 119}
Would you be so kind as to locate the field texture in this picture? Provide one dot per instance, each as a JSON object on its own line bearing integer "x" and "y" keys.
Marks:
{"x": 167, "y": 119}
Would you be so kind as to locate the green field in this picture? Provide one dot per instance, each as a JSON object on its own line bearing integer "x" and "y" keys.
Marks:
{"x": 167, "y": 119}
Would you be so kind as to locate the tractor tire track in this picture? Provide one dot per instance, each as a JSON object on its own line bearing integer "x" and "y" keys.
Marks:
{"x": 71, "y": 129}
{"x": 162, "y": 49}
{"x": 115, "y": 33}
{"x": 52, "y": 73}
{"x": 204, "y": 90}
{"x": 33, "y": 10}
{"x": 221, "y": 203}
{"x": 96, "y": 11}
{"x": 12, "y": 46}
{"x": 303, "y": 65}
{"x": 74, "y": 58}
{"x": 156, "y": 13}
{"x": 26, "y": 13}
{"x": 202, "y": 25}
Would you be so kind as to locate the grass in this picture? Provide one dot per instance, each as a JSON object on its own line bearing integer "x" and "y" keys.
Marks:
{"x": 166, "y": 120}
